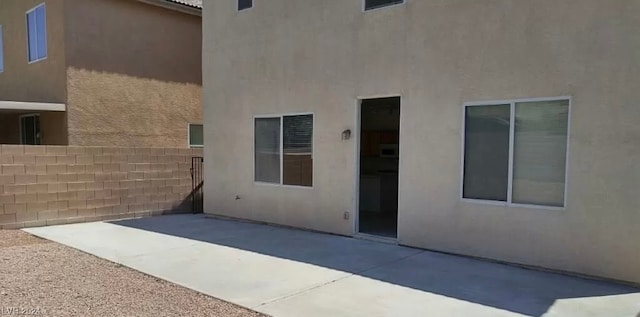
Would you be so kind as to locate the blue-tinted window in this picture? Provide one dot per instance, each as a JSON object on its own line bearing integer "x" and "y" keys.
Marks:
{"x": 37, "y": 33}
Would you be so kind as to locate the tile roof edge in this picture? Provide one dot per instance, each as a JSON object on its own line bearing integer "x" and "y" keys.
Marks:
{"x": 190, "y": 3}
{"x": 174, "y": 5}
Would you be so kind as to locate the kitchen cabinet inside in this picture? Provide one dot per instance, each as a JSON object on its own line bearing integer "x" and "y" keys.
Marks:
{"x": 370, "y": 141}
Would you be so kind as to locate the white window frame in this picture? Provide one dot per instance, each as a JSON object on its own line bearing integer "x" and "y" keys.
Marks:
{"x": 1, "y": 50}
{"x": 189, "y": 136}
{"x": 364, "y": 6}
{"x": 313, "y": 149}
{"x": 512, "y": 103}
{"x": 45, "y": 38}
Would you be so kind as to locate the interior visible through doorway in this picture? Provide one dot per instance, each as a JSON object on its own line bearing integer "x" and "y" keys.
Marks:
{"x": 379, "y": 162}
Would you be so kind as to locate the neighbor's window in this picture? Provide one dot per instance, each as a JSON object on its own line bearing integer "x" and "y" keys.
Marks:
{"x": 37, "y": 33}
{"x": 196, "y": 135}
{"x": 30, "y": 129}
{"x": 524, "y": 140}
{"x": 1, "y": 52}
{"x": 244, "y": 4}
{"x": 374, "y": 4}
{"x": 284, "y": 150}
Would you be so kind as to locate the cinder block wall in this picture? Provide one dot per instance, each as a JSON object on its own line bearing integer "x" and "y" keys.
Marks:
{"x": 48, "y": 185}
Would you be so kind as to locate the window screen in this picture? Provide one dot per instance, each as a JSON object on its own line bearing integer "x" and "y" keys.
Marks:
{"x": 267, "y": 150}
{"x": 540, "y": 152}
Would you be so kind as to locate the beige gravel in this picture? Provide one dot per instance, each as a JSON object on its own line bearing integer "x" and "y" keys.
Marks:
{"x": 39, "y": 277}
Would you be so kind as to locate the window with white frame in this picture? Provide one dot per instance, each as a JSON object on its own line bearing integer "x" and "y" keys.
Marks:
{"x": 1, "y": 52}
{"x": 284, "y": 150}
{"x": 196, "y": 135}
{"x": 374, "y": 4}
{"x": 515, "y": 152}
{"x": 37, "y": 33}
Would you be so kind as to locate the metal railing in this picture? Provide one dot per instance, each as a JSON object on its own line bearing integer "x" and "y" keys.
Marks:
{"x": 197, "y": 179}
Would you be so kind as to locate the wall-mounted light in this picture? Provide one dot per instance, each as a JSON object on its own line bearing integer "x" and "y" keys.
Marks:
{"x": 346, "y": 134}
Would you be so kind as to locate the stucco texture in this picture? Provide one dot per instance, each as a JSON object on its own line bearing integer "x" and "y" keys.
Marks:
{"x": 321, "y": 56}
{"x": 42, "y": 81}
{"x": 137, "y": 82}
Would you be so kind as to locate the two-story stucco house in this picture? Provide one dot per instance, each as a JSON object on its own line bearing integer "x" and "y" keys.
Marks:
{"x": 499, "y": 129}
{"x": 101, "y": 72}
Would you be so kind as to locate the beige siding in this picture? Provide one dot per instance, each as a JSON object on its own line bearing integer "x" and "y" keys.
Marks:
{"x": 42, "y": 81}
{"x": 320, "y": 56}
{"x": 134, "y": 73}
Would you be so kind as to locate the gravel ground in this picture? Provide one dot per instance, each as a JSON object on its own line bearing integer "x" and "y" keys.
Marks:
{"x": 42, "y": 278}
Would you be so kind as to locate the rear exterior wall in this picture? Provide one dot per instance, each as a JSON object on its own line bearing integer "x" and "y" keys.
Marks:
{"x": 321, "y": 56}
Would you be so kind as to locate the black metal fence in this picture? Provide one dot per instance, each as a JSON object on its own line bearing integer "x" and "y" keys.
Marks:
{"x": 197, "y": 179}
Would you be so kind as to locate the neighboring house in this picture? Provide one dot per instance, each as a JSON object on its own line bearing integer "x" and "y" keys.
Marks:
{"x": 101, "y": 72}
{"x": 499, "y": 129}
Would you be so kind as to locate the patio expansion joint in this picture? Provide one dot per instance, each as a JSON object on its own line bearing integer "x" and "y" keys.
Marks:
{"x": 357, "y": 273}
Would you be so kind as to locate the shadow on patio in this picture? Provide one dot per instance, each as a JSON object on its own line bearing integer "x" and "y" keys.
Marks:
{"x": 500, "y": 286}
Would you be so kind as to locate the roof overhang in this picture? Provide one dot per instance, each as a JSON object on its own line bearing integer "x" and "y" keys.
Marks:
{"x": 32, "y": 106}
{"x": 174, "y": 6}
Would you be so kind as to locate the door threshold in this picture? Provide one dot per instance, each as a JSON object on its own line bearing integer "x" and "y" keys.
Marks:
{"x": 374, "y": 238}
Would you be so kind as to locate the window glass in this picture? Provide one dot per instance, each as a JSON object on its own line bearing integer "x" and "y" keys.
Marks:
{"x": 540, "y": 152}
{"x": 196, "y": 135}
{"x": 30, "y": 130}
{"x": 298, "y": 150}
{"x": 537, "y": 144}
{"x": 31, "y": 33}
{"x": 486, "y": 150}
{"x": 372, "y": 4}
{"x": 267, "y": 150}
{"x": 37, "y": 33}
{"x": 41, "y": 32}
{"x": 244, "y": 4}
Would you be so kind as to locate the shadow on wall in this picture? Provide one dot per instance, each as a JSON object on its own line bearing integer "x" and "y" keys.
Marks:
{"x": 501, "y": 286}
{"x": 133, "y": 38}
{"x": 193, "y": 203}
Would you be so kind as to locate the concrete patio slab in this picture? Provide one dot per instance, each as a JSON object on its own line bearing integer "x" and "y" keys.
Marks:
{"x": 285, "y": 272}
{"x": 366, "y": 297}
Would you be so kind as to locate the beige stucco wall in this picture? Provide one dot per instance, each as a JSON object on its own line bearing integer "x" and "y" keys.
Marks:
{"x": 321, "y": 56}
{"x": 134, "y": 73}
{"x": 42, "y": 81}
